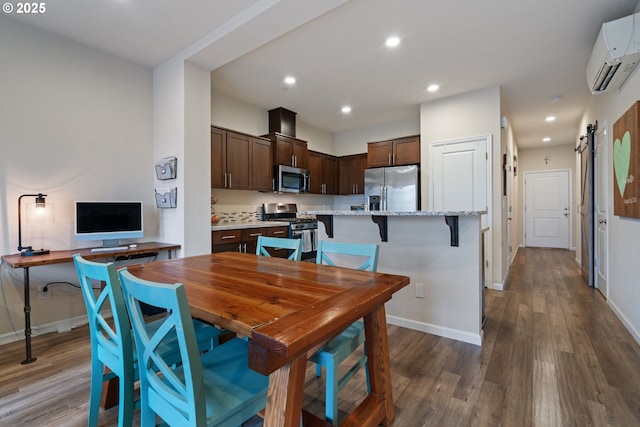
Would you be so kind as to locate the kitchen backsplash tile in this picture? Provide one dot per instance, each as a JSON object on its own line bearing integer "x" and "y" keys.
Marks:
{"x": 243, "y": 216}
{"x": 241, "y": 205}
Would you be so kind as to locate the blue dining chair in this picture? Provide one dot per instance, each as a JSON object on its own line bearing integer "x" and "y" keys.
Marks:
{"x": 216, "y": 388}
{"x": 112, "y": 343}
{"x": 332, "y": 354}
{"x": 265, "y": 243}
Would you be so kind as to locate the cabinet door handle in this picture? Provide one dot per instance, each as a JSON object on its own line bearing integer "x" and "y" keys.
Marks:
{"x": 225, "y": 180}
{"x": 389, "y": 158}
{"x": 394, "y": 158}
{"x": 254, "y": 235}
{"x": 229, "y": 180}
{"x": 273, "y": 184}
{"x": 239, "y": 247}
{"x": 227, "y": 237}
{"x": 278, "y": 232}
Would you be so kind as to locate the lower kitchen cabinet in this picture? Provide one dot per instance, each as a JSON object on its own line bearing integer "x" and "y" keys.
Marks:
{"x": 245, "y": 239}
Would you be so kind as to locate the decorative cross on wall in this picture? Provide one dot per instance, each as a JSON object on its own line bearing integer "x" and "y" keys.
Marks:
{"x": 546, "y": 160}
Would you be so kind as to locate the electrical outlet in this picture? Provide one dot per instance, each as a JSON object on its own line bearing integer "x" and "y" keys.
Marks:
{"x": 42, "y": 294}
{"x": 419, "y": 290}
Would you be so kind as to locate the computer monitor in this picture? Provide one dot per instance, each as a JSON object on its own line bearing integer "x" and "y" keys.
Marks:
{"x": 108, "y": 221}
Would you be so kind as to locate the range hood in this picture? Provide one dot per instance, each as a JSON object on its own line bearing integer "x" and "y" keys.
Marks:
{"x": 282, "y": 121}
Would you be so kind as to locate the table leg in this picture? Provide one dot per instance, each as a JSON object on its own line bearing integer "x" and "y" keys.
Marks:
{"x": 285, "y": 394}
{"x": 27, "y": 318}
{"x": 377, "y": 343}
{"x": 110, "y": 392}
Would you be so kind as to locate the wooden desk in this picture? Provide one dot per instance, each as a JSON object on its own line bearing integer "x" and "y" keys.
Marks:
{"x": 60, "y": 257}
{"x": 289, "y": 310}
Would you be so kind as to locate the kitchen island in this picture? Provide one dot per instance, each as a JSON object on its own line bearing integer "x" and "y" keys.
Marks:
{"x": 442, "y": 253}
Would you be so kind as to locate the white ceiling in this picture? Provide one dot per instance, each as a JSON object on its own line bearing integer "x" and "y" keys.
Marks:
{"x": 335, "y": 48}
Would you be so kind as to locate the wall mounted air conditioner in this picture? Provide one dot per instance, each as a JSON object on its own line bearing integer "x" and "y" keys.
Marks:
{"x": 615, "y": 54}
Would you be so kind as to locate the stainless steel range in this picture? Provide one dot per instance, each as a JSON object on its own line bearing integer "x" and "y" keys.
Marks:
{"x": 299, "y": 228}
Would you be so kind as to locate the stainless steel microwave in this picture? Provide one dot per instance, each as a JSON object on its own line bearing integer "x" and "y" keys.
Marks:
{"x": 290, "y": 180}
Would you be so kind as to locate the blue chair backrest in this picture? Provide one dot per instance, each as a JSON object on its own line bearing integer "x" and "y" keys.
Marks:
{"x": 265, "y": 242}
{"x": 179, "y": 400}
{"x": 113, "y": 345}
{"x": 328, "y": 249}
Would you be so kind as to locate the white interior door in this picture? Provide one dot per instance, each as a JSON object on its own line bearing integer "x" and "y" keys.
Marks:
{"x": 547, "y": 209}
{"x": 601, "y": 197}
{"x": 458, "y": 175}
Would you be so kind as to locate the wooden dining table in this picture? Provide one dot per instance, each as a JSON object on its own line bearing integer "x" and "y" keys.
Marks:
{"x": 290, "y": 309}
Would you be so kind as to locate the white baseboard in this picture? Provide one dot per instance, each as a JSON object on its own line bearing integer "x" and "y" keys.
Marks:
{"x": 59, "y": 326}
{"x": 436, "y": 330}
{"x": 627, "y": 324}
{"x": 497, "y": 286}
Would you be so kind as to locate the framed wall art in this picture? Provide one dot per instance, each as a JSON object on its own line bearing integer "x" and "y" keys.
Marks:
{"x": 626, "y": 163}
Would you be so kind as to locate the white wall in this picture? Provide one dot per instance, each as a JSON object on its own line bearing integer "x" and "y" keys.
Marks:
{"x": 182, "y": 129}
{"x": 75, "y": 124}
{"x": 462, "y": 116}
{"x": 355, "y": 141}
{"x": 624, "y": 253}
{"x": 419, "y": 247}
{"x": 512, "y": 202}
{"x": 244, "y": 117}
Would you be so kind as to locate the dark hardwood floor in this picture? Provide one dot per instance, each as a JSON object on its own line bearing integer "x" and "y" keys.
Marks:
{"x": 554, "y": 354}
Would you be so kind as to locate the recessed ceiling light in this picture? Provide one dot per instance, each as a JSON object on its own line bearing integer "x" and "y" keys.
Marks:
{"x": 556, "y": 98}
{"x": 433, "y": 87}
{"x": 290, "y": 80}
{"x": 550, "y": 118}
{"x": 346, "y": 109}
{"x": 546, "y": 139}
{"x": 393, "y": 41}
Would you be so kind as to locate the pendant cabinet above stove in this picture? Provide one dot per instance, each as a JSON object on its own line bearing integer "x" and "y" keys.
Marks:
{"x": 289, "y": 151}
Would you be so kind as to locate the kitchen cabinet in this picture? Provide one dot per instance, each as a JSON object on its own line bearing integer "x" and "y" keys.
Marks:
{"x": 262, "y": 165}
{"x": 230, "y": 160}
{"x": 240, "y": 161}
{"x": 245, "y": 239}
{"x": 396, "y": 152}
{"x": 282, "y": 232}
{"x": 240, "y": 240}
{"x": 288, "y": 151}
{"x": 323, "y": 170}
{"x": 351, "y": 173}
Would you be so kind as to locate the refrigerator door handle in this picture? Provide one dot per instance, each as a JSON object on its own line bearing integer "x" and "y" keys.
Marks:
{"x": 383, "y": 202}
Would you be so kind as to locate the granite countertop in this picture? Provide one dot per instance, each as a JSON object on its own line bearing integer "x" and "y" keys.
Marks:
{"x": 221, "y": 226}
{"x": 395, "y": 213}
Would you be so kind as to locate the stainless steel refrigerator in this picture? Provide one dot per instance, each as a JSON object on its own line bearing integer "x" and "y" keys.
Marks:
{"x": 397, "y": 187}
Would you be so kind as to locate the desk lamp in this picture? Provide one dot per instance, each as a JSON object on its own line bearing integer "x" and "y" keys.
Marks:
{"x": 28, "y": 250}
